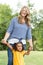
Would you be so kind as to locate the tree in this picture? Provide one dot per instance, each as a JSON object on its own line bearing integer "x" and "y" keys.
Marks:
{"x": 37, "y": 29}
{"x": 5, "y": 16}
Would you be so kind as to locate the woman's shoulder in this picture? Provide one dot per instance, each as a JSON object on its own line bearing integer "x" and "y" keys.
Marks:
{"x": 15, "y": 18}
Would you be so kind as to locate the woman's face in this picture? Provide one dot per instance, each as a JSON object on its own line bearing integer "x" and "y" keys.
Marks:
{"x": 19, "y": 47}
{"x": 24, "y": 12}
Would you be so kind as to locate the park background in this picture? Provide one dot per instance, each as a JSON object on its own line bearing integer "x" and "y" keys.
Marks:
{"x": 10, "y": 9}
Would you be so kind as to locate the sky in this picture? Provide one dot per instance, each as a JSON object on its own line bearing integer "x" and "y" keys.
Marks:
{"x": 38, "y": 4}
{"x": 13, "y": 3}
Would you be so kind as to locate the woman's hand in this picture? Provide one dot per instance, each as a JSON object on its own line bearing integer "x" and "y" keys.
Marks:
{"x": 3, "y": 41}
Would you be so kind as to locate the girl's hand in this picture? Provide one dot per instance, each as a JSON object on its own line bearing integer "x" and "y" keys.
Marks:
{"x": 30, "y": 48}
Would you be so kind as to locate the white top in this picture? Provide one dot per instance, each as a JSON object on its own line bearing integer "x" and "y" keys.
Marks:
{"x": 14, "y": 40}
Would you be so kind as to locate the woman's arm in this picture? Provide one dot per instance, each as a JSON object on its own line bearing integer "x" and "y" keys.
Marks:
{"x": 29, "y": 37}
{"x": 30, "y": 43}
{"x": 9, "y": 31}
{"x": 5, "y": 37}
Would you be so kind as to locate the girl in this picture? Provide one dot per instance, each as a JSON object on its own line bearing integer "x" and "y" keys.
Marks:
{"x": 18, "y": 53}
{"x": 19, "y": 28}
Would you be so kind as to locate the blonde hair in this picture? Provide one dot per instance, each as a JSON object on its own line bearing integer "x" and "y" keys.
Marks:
{"x": 27, "y": 17}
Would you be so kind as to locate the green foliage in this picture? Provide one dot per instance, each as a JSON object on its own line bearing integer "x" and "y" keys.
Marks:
{"x": 5, "y": 16}
{"x": 39, "y": 35}
{"x": 5, "y": 13}
{"x": 37, "y": 27}
{"x": 37, "y": 32}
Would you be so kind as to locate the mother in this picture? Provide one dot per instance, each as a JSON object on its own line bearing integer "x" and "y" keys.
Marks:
{"x": 19, "y": 29}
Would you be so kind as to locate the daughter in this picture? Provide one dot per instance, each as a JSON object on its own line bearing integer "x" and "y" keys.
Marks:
{"x": 18, "y": 53}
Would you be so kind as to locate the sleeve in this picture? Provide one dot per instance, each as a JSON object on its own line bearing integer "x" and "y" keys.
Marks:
{"x": 13, "y": 51}
{"x": 10, "y": 28}
{"x": 29, "y": 35}
{"x": 23, "y": 52}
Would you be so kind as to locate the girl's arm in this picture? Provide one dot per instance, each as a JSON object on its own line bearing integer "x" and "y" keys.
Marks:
{"x": 8, "y": 45}
{"x": 27, "y": 52}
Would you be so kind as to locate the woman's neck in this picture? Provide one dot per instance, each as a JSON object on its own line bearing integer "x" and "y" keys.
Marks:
{"x": 23, "y": 17}
{"x": 23, "y": 20}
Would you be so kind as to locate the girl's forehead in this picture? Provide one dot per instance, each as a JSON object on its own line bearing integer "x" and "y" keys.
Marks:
{"x": 19, "y": 44}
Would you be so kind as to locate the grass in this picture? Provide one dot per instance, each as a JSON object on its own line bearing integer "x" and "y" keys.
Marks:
{"x": 35, "y": 58}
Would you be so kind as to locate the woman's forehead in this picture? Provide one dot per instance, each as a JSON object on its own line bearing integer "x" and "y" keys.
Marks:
{"x": 24, "y": 8}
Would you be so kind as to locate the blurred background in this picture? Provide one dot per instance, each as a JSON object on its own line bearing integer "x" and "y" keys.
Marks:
{"x": 11, "y": 8}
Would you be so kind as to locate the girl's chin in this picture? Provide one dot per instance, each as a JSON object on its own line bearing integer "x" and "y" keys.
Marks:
{"x": 19, "y": 50}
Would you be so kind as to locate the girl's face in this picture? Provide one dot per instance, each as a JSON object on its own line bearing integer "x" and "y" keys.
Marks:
{"x": 19, "y": 47}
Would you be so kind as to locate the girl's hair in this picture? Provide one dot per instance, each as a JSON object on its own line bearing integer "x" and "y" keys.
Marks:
{"x": 27, "y": 17}
{"x": 15, "y": 48}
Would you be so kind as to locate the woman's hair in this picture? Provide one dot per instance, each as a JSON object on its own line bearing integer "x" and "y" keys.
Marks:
{"x": 15, "y": 48}
{"x": 27, "y": 17}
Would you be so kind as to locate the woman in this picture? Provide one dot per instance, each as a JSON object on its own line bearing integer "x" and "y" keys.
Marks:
{"x": 19, "y": 30}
